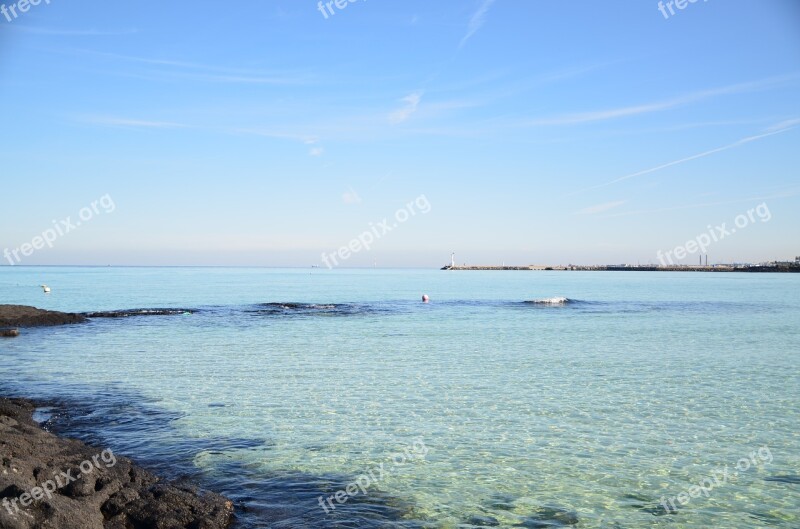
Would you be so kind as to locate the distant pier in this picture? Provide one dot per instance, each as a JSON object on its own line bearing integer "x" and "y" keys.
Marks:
{"x": 776, "y": 267}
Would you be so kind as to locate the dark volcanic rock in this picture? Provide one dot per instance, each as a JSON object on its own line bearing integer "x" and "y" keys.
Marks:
{"x": 164, "y": 506}
{"x": 110, "y": 493}
{"x": 23, "y": 316}
{"x": 137, "y": 312}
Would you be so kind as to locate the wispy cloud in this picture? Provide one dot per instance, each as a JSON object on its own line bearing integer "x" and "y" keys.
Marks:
{"x": 787, "y": 193}
{"x": 306, "y": 139}
{"x": 637, "y": 131}
{"x": 586, "y": 117}
{"x": 210, "y": 77}
{"x": 133, "y": 123}
{"x": 240, "y": 79}
{"x": 350, "y": 197}
{"x": 602, "y": 115}
{"x": 63, "y": 32}
{"x": 783, "y": 125}
{"x": 600, "y": 208}
{"x": 477, "y": 21}
{"x": 175, "y": 70}
{"x": 771, "y": 132}
{"x": 146, "y": 60}
{"x": 314, "y": 150}
{"x": 411, "y": 104}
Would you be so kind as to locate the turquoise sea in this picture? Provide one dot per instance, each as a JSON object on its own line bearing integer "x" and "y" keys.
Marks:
{"x": 281, "y": 387}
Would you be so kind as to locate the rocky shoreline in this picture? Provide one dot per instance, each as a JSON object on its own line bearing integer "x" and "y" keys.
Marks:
{"x": 14, "y": 317}
{"x": 47, "y": 482}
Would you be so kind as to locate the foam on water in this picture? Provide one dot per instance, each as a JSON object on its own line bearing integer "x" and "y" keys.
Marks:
{"x": 552, "y": 301}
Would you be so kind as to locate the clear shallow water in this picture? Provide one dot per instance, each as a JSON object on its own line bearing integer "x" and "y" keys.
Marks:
{"x": 531, "y": 415}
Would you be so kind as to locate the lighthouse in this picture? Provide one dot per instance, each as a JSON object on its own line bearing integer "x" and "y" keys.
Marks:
{"x": 453, "y": 260}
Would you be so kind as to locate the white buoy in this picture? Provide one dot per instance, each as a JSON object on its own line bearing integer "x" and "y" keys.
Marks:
{"x": 45, "y": 289}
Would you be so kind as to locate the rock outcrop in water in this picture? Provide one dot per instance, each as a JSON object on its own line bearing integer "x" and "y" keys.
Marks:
{"x": 23, "y": 316}
{"x": 13, "y": 316}
{"x": 138, "y": 312}
{"x": 51, "y": 483}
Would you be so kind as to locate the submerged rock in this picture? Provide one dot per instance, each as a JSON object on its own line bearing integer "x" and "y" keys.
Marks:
{"x": 545, "y": 517}
{"x": 647, "y": 504}
{"x": 483, "y": 521}
{"x": 501, "y": 502}
{"x": 792, "y": 478}
{"x": 138, "y": 312}
{"x": 9, "y": 333}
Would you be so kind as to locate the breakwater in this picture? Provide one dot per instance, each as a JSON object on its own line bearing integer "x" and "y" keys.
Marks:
{"x": 768, "y": 268}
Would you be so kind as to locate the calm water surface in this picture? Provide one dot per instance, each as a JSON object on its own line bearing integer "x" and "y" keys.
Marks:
{"x": 288, "y": 385}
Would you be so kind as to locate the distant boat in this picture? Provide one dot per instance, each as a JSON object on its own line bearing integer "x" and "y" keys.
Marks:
{"x": 45, "y": 289}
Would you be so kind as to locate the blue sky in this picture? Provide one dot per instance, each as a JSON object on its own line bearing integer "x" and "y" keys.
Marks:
{"x": 263, "y": 133}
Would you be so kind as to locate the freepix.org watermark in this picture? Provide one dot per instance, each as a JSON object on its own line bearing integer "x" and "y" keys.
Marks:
{"x": 363, "y": 482}
{"x": 367, "y": 238}
{"x": 715, "y": 234}
{"x": 718, "y": 478}
{"x": 13, "y": 11}
{"x": 679, "y": 4}
{"x": 327, "y": 7}
{"x": 105, "y": 459}
{"x": 104, "y": 204}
